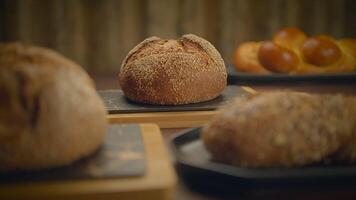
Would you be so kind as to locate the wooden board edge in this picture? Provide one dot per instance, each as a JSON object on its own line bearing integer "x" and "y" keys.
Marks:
{"x": 249, "y": 90}
{"x": 184, "y": 119}
{"x": 177, "y": 119}
{"x": 159, "y": 150}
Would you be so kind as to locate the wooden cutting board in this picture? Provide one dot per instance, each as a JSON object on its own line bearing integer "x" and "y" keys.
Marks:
{"x": 121, "y": 155}
{"x": 192, "y": 115}
{"x": 157, "y": 181}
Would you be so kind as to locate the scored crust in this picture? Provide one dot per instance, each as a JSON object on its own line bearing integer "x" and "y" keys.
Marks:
{"x": 171, "y": 72}
{"x": 50, "y": 113}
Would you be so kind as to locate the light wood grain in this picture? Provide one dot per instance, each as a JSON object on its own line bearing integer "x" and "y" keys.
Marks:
{"x": 166, "y": 119}
{"x": 99, "y": 34}
{"x": 193, "y": 18}
{"x": 157, "y": 183}
{"x": 349, "y": 17}
{"x": 68, "y": 33}
{"x": 162, "y": 18}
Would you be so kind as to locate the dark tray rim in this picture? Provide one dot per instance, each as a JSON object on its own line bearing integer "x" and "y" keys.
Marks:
{"x": 254, "y": 175}
{"x": 128, "y": 106}
{"x": 235, "y": 76}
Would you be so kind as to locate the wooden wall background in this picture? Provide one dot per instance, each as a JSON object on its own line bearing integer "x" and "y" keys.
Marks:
{"x": 98, "y": 34}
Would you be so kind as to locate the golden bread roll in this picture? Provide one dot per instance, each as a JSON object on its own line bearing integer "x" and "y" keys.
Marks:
{"x": 291, "y": 51}
{"x": 172, "y": 72}
{"x": 348, "y": 46}
{"x": 277, "y": 58}
{"x": 50, "y": 113}
{"x": 246, "y": 58}
{"x": 320, "y": 50}
{"x": 289, "y": 38}
{"x": 280, "y": 129}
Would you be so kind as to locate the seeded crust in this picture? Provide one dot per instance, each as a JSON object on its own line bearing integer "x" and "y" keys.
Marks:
{"x": 172, "y": 72}
{"x": 50, "y": 113}
{"x": 280, "y": 129}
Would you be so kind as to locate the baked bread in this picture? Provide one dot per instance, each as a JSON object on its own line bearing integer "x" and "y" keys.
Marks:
{"x": 50, "y": 113}
{"x": 172, "y": 72}
{"x": 291, "y": 51}
{"x": 280, "y": 129}
{"x": 347, "y": 152}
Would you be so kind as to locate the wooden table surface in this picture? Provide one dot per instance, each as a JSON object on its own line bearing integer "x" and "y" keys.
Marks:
{"x": 183, "y": 192}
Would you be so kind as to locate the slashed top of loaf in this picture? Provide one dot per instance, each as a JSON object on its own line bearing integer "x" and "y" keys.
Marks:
{"x": 206, "y": 46}
{"x": 138, "y": 47}
{"x": 188, "y": 43}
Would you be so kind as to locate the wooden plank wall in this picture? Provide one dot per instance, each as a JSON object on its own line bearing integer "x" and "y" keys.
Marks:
{"x": 98, "y": 34}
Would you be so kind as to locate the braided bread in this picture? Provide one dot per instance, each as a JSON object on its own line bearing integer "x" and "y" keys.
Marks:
{"x": 292, "y": 51}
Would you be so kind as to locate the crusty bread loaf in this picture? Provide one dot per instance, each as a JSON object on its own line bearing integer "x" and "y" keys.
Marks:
{"x": 50, "y": 113}
{"x": 347, "y": 153}
{"x": 171, "y": 72}
{"x": 292, "y": 51}
{"x": 281, "y": 129}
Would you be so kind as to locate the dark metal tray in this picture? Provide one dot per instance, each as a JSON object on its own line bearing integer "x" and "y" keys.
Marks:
{"x": 236, "y": 77}
{"x": 116, "y": 102}
{"x": 121, "y": 155}
{"x": 194, "y": 164}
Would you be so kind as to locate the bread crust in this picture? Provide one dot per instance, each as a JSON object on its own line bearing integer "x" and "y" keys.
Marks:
{"x": 50, "y": 113}
{"x": 172, "y": 72}
{"x": 246, "y": 59}
{"x": 347, "y": 152}
{"x": 281, "y": 129}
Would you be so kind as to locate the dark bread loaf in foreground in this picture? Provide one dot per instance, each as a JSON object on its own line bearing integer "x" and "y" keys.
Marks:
{"x": 50, "y": 113}
{"x": 283, "y": 129}
{"x": 172, "y": 72}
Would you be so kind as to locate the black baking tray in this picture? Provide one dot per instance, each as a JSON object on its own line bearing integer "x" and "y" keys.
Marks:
{"x": 116, "y": 102}
{"x": 195, "y": 165}
{"x": 236, "y": 77}
{"x": 121, "y": 155}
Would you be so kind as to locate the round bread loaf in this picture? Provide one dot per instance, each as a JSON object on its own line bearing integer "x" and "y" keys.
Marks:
{"x": 50, "y": 113}
{"x": 280, "y": 129}
{"x": 172, "y": 72}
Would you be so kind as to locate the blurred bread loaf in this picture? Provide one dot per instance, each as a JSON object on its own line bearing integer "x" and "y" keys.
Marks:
{"x": 292, "y": 51}
{"x": 172, "y": 72}
{"x": 50, "y": 113}
{"x": 282, "y": 129}
{"x": 347, "y": 153}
